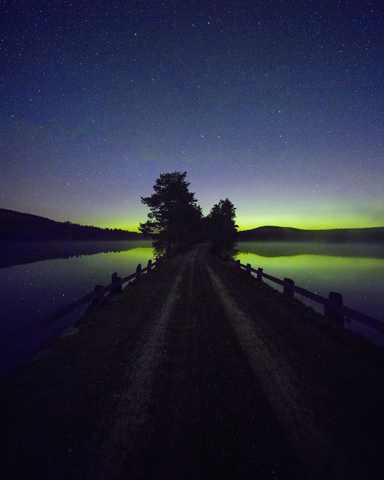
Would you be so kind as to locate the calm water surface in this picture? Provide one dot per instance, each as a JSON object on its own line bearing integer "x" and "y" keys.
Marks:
{"x": 356, "y": 271}
{"x": 36, "y": 289}
{"x": 31, "y": 291}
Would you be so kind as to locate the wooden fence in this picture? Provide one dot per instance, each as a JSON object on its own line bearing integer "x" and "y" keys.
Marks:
{"x": 95, "y": 298}
{"x": 333, "y": 305}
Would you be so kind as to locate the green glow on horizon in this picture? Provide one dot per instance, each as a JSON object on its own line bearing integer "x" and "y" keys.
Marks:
{"x": 308, "y": 217}
{"x": 308, "y": 214}
{"x": 113, "y": 222}
{"x": 248, "y": 223}
{"x": 305, "y": 223}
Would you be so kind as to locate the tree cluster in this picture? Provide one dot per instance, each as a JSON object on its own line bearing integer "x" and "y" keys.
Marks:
{"x": 176, "y": 221}
{"x": 24, "y": 226}
{"x": 221, "y": 225}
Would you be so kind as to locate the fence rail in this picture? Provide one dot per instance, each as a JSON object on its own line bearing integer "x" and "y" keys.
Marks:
{"x": 333, "y": 305}
{"x": 94, "y": 298}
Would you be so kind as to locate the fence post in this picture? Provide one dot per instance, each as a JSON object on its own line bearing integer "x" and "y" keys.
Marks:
{"x": 238, "y": 264}
{"x": 259, "y": 274}
{"x": 248, "y": 269}
{"x": 119, "y": 288}
{"x": 96, "y": 301}
{"x": 149, "y": 265}
{"x": 288, "y": 290}
{"x": 332, "y": 315}
{"x": 138, "y": 271}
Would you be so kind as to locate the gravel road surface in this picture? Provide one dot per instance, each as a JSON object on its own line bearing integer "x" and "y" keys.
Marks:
{"x": 197, "y": 371}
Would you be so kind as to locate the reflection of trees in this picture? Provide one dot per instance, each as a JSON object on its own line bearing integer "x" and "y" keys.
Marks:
{"x": 21, "y": 252}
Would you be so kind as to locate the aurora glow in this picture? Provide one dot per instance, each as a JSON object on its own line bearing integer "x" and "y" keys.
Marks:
{"x": 277, "y": 105}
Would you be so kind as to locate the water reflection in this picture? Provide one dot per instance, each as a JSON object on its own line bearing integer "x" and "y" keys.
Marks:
{"x": 286, "y": 249}
{"x": 39, "y": 288}
{"x": 22, "y": 252}
{"x": 356, "y": 271}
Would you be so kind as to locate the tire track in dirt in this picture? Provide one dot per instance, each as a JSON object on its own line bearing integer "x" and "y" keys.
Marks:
{"x": 209, "y": 416}
{"x": 320, "y": 456}
{"x": 130, "y": 425}
{"x": 242, "y": 437}
{"x": 174, "y": 450}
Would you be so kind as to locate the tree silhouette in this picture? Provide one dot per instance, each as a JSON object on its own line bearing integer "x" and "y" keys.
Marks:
{"x": 222, "y": 226}
{"x": 174, "y": 219}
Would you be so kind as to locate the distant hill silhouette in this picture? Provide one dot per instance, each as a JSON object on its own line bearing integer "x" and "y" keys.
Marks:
{"x": 287, "y": 234}
{"x": 23, "y": 226}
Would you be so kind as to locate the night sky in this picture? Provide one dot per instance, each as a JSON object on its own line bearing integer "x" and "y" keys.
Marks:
{"x": 277, "y": 105}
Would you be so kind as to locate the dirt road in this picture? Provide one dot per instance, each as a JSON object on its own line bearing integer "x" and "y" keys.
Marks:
{"x": 198, "y": 372}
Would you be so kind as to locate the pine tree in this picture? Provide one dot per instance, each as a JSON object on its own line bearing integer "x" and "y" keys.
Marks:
{"x": 222, "y": 226}
{"x": 174, "y": 219}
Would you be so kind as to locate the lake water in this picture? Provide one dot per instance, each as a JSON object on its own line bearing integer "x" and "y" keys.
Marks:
{"x": 33, "y": 290}
{"x": 355, "y": 270}
{"x": 36, "y": 289}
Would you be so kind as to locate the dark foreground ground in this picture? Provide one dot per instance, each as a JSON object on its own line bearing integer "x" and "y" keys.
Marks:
{"x": 198, "y": 372}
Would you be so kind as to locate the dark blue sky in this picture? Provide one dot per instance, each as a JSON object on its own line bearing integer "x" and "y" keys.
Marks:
{"x": 278, "y": 105}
